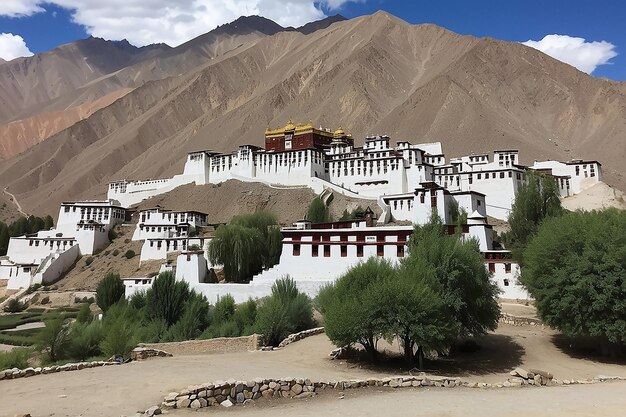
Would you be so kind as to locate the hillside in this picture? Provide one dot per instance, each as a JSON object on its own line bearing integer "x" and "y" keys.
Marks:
{"x": 374, "y": 74}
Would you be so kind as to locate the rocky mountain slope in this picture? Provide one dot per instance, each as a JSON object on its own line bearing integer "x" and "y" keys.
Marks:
{"x": 374, "y": 74}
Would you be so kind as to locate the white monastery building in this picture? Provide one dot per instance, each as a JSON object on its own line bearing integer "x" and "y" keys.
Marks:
{"x": 408, "y": 181}
{"x": 301, "y": 155}
{"x": 82, "y": 229}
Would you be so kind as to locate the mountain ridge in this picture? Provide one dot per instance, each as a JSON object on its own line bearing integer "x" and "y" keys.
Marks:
{"x": 371, "y": 75}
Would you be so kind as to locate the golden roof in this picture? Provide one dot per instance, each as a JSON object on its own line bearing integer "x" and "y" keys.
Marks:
{"x": 339, "y": 133}
{"x": 296, "y": 128}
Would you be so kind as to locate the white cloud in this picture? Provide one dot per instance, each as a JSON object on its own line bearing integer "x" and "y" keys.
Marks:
{"x": 144, "y": 22}
{"x": 12, "y": 46}
{"x": 20, "y": 8}
{"x": 586, "y": 56}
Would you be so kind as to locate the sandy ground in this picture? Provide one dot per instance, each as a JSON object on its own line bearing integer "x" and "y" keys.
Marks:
{"x": 122, "y": 390}
{"x": 598, "y": 197}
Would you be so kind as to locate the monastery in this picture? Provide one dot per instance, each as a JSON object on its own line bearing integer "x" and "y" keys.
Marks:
{"x": 407, "y": 181}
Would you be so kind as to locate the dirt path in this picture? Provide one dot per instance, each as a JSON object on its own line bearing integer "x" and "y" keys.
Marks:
{"x": 15, "y": 202}
{"x": 122, "y": 390}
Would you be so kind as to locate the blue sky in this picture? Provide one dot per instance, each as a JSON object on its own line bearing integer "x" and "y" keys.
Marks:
{"x": 32, "y": 26}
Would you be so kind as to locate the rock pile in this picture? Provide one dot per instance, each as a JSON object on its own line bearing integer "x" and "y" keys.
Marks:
{"x": 15, "y": 373}
{"x": 294, "y": 337}
{"x": 537, "y": 377}
{"x": 141, "y": 353}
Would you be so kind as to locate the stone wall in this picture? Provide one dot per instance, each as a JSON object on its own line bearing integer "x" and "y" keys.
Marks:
{"x": 15, "y": 373}
{"x": 216, "y": 345}
{"x": 519, "y": 321}
{"x": 294, "y": 337}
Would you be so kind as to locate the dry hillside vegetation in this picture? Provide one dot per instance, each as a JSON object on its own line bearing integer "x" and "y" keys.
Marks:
{"x": 373, "y": 74}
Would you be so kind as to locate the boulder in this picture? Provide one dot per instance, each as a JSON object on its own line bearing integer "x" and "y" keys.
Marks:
{"x": 226, "y": 403}
{"x": 153, "y": 411}
{"x": 297, "y": 389}
{"x": 183, "y": 403}
{"x": 544, "y": 374}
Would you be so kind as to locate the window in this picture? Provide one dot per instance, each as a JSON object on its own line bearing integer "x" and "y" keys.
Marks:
{"x": 296, "y": 249}
{"x": 492, "y": 267}
{"x": 478, "y": 176}
{"x": 510, "y": 174}
{"x": 359, "y": 251}
{"x": 479, "y": 203}
{"x": 327, "y": 251}
{"x": 502, "y": 175}
{"x": 507, "y": 268}
{"x": 380, "y": 250}
{"x": 314, "y": 250}
{"x": 344, "y": 251}
{"x": 400, "y": 251}
{"x": 577, "y": 170}
{"x": 506, "y": 282}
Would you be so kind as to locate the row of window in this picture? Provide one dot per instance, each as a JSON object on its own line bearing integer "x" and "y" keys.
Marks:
{"x": 380, "y": 250}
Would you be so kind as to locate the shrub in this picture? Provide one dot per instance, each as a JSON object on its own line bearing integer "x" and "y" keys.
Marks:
{"x": 85, "y": 340}
{"x": 115, "y": 252}
{"x": 166, "y": 298}
{"x": 138, "y": 300}
{"x": 194, "y": 248}
{"x": 112, "y": 235}
{"x": 45, "y": 300}
{"x": 119, "y": 339}
{"x": 130, "y": 254}
{"x": 318, "y": 212}
{"x": 109, "y": 291}
{"x": 193, "y": 322}
{"x": 16, "y": 358}
{"x": 84, "y": 314}
{"x": 14, "y": 306}
{"x": 224, "y": 309}
{"x": 54, "y": 338}
{"x": 89, "y": 260}
{"x": 245, "y": 317}
{"x": 32, "y": 288}
{"x": 285, "y": 311}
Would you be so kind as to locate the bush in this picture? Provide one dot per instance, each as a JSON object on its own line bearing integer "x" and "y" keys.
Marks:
{"x": 166, "y": 299}
{"x": 54, "y": 339}
{"x": 285, "y": 311}
{"x": 85, "y": 340}
{"x": 112, "y": 235}
{"x": 32, "y": 288}
{"x": 115, "y": 252}
{"x": 14, "y": 306}
{"x": 130, "y": 254}
{"x": 138, "y": 300}
{"x": 89, "y": 260}
{"x": 45, "y": 300}
{"x": 193, "y": 322}
{"x": 245, "y": 317}
{"x": 84, "y": 314}
{"x": 109, "y": 291}
{"x": 119, "y": 339}
{"x": 16, "y": 358}
{"x": 318, "y": 212}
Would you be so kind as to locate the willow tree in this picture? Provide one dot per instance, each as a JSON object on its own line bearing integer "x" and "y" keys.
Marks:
{"x": 318, "y": 212}
{"x": 248, "y": 244}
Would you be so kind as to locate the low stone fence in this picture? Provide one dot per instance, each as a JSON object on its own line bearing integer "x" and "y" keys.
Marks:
{"x": 294, "y": 337}
{"x": 27, "y": 372}
{"x": 232, "y": 392}
{"x": 519, "y": 321}
{"x": 142, "y": 353}
{"x": 216, "y": 345}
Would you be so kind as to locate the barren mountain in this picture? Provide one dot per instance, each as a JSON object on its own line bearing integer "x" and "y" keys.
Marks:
{"x": 374, "y": 74}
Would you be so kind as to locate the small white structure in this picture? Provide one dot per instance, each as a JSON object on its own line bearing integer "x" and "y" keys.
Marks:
{"x": 158, "y": 223}
{"x": 82, "y": 229}
{"x": 572, "y": 177}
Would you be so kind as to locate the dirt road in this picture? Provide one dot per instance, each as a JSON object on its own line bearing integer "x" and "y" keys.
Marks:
{"x": 122, "y": 390}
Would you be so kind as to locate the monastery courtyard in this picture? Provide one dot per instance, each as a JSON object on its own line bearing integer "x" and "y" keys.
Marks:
{"x": 123, "y": 390}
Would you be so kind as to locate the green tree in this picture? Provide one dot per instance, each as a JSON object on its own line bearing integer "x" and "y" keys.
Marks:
{"x": 166, "y": 299}
{"x": 285, "y": 311}
{"x": 84, "y": 314}
{"x": 239, "y": 249}
{"x": 194, "y": 320}
{"x": 351, "y": 305}
{"x": 416, "y": 315}
{"x": 318, "y": 212}
{"x": 575, "y": 269}
{"x": 48, "y": 222}
{"x": 109, "y": 291}
{"x": 455, "y": 270}
{"x": 536, "y": 199}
